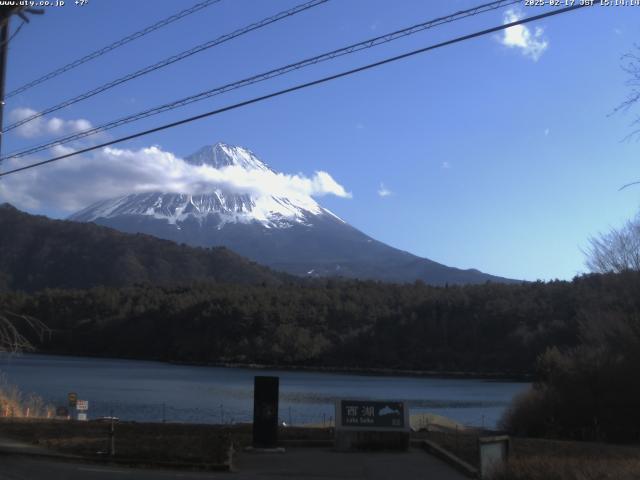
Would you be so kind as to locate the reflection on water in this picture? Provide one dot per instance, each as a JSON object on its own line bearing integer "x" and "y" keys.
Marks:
{"x": 138, "y": 390}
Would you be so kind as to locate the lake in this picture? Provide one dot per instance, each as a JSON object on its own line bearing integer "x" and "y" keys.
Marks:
{"x": 151, "y": 391}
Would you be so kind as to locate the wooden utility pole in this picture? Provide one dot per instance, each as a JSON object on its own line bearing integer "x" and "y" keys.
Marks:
{"x": 5, "y": 15}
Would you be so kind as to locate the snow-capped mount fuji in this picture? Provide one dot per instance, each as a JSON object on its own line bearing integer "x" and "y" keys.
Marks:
{"x": 219, "y": 206}
{"x": 287, "y": 232}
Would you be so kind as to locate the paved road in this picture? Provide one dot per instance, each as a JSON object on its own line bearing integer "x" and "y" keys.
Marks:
{"x": 28, "y": 468}
{"x": 299, "y": 464}
{"x": 321, "y": 464}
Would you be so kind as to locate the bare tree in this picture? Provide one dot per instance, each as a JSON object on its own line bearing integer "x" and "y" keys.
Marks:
{"x": 12, "y": 327}
{"x": 630, "y": 63}
{"x": 617, "y": 250}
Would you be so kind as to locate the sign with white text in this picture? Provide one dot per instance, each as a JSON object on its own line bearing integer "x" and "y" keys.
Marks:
{"x": 82, "y": 405}
{"x": 372, "y": 414}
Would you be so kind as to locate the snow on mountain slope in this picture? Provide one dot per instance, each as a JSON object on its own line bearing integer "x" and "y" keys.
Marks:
{"x": 285, "y": 229}
{"x": 270, "y": 211}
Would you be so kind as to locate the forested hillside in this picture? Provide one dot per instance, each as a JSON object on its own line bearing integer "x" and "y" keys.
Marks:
{"x": 353, "y": 324}
{"x": 37, "y": 252}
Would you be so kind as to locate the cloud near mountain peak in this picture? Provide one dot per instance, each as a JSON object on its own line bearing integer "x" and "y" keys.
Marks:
{"x": 76, "y": 182}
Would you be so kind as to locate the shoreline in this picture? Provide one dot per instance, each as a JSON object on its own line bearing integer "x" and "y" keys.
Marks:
{"x": 363, "y": 371}
{"x": 372, "y": 371}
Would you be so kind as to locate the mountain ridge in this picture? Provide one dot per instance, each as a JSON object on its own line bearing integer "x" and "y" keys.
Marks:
{"x": 294, "y": 234}
{"x": 37, "y": 252}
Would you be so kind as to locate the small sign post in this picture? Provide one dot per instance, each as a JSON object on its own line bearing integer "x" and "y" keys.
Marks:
{"x": 372, "y": 424}
{"x": 81, "y": 407}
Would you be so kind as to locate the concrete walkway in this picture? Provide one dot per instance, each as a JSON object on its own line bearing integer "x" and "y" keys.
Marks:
{"x": 320, "y": 464}
{"x": 19, "y": 460}
{"x": 8, "y": 445}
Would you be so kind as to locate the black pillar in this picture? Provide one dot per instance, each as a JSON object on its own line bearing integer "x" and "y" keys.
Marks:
{"x": 265, "y": 412}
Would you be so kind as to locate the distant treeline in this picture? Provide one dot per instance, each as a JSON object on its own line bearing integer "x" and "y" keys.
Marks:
{"x": 589, "y": 391}
{"x": 37, "y": 252}
{"x": 333, "y": 323}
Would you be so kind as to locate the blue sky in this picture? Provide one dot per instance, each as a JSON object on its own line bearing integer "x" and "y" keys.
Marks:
{"x": 500, "y": 158}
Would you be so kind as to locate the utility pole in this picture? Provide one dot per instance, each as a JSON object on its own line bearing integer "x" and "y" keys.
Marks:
{"x": 4, "y": 48}
{"x": 5, "y": 16}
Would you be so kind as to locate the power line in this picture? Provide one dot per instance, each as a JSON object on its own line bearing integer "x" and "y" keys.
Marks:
{"x": 119, "y": 43}
{"x": 372, "y": 42}
{"x": 168, "y": 61}
{"x": 303, "y": 86}
{"x": 13, "y": 35}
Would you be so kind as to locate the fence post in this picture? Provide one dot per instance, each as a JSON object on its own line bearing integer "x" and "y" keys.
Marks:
{"x": 112, "y": 434}
{"x": 112, "y": 437}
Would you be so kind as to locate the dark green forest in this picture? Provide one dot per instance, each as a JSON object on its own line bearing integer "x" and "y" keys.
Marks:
{"x": 37, "y": 252}
{"x": 134, "y": 296}
{"x": 491, "y": 328}
{"x": 588, "y": 391}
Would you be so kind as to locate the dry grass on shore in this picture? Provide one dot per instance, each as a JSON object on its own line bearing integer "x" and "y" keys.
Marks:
{"x": 569, "y": 468}
{"x": 172, "y": 442}
{"x": 540, "y": 459}
{"x": 166, "y": 442}
{"x": 545, "y": 459}
{"x": 13, "y": 403}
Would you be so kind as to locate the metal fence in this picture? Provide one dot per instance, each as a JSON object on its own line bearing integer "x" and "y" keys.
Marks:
{"x": 232, "y": 414}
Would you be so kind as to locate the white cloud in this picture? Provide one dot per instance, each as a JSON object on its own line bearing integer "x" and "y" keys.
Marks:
{"x": 42, "y": 126}
{"x": 384, "y": 191}
{"x": 445, "y": 165}
{"x": 532, "y": 45}
{"x": 547, "y": 132}
{"x": 322, "y": 184}
{"x": 76, "y": 182}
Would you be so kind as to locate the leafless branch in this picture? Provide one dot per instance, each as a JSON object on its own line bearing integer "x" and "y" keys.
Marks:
{"x": 12, "y": 328}
{"x": 617, "y": 250}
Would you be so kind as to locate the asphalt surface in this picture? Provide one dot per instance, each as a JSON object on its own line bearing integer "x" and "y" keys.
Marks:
{"x": 321, "y": 464}
{"x": 28, "y": 468}
{"x": 295, "y": 463}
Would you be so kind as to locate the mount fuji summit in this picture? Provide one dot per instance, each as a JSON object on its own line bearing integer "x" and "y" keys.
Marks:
{"x": 292, "y": 233}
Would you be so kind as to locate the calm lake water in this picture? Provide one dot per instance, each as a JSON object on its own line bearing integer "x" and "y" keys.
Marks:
{"x": 139, "y": 390}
